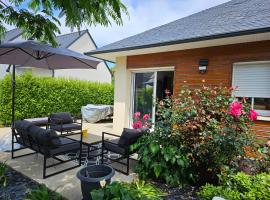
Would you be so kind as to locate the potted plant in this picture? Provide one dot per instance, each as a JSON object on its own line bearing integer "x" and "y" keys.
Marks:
{"x": 94, "y": 177}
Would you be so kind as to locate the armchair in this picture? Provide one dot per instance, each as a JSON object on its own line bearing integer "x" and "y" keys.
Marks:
{"x": 120, "y": 145}
{"x": 63, "y": 122}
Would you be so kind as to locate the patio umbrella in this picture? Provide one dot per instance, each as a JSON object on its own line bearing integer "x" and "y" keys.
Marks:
{"x": 34, "y": 54}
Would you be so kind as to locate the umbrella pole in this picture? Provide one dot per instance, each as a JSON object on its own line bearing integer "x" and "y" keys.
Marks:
{"x": 13, "y": 111}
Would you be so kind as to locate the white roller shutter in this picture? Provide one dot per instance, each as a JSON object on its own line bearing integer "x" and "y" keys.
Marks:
{"x": 252, "y": 79}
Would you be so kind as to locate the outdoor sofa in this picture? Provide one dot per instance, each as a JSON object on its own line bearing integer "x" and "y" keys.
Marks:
{"x": 120, "y": 145}
{"x": 47, "y": 143}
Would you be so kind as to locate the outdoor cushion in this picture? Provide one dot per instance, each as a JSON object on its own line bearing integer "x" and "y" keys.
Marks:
{"x": 129, "y": 136}
{"x": 44, "y": 137}
{"x": 61, "y": 117}
{"x": 66, "y": 145}
{"x": 112, "y": 145}
{"x": 66, "y": 127}
{"x": 22, "y": 128}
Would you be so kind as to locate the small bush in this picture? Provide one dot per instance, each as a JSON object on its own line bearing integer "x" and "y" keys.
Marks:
{"x": 42, "y": 193}
{"x": 40, "y": 96}
{"x": 238, "y": 187}
{"x": 3, "y": 178}
{"x": 138, "y": 190}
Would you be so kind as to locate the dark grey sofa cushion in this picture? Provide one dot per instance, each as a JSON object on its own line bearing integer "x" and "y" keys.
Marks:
{"x": 130, "y": 136}
{"x": 61, "y": 117}
{"x": 67, "y": 145}
{"x": 22, "y": 128}
{"x": 44, "y": 137}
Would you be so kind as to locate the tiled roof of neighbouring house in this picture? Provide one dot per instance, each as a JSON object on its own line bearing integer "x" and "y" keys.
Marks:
{"x": 236, "y": 17}
{"x": 63, "y": 40}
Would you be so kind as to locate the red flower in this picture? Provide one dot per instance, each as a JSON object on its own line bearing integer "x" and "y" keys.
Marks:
{"x": 235, "y": 109}
{"x": 146, "y": 117}
{"x": 252, "y": 115}
{"x": 137, "y": 115}
{"x": 137, "y": 125}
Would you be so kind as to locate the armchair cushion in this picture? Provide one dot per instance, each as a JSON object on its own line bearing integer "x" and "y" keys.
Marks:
{"x": 61, "y": 117}
{"x": 129, "y": 136}
{"x": 66, "y": 127}
{"x": 112, "y": 145}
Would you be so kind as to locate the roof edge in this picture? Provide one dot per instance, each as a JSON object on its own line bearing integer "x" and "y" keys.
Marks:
{"x": 210, "y": 37}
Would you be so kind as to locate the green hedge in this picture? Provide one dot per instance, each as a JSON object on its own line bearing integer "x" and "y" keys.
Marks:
{"x": 40, "y": 96}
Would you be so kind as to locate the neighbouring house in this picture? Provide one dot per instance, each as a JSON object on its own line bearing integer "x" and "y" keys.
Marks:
{"x": 77, "y": 41}
{"x": 228, "y": 44}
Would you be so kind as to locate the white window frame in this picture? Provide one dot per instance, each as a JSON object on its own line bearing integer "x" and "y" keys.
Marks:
{"x": 132, "y": 89}
{"x": 261, "y": 113}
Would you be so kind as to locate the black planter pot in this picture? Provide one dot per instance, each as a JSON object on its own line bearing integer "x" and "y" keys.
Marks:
{"x": 91, "y": 176}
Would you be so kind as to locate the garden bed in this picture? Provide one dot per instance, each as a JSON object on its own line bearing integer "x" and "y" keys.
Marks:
{"x": 17, "y": 185}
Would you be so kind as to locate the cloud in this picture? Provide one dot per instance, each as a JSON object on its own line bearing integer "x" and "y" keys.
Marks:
{"x": 146, "y": 14}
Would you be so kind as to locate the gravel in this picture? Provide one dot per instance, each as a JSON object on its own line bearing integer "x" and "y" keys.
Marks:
{"x": 17, "y": 185}
{"x": 178, "y": 193}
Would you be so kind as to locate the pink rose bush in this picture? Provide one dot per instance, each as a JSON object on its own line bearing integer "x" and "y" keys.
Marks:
{"x": 141, "y": 122}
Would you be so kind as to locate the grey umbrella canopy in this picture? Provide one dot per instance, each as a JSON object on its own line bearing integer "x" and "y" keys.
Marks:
{"x": 33, "y": 54}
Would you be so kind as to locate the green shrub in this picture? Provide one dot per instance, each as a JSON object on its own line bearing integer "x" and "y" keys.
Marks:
{"x": 138, "y": 190}
{"x": 196, "y": 133}
{"x": 238, "y": 187}
{"x": 3, "y": 178}
{"x": 40, "y": 96}
{"x": 42, "y": 193}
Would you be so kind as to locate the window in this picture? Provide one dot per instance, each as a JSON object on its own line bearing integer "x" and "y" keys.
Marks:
{"x": 253, "y": 82}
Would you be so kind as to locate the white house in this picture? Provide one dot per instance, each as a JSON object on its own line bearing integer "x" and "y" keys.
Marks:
{"x": 77, "y": 41}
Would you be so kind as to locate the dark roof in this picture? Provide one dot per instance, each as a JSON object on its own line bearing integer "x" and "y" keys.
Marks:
{"x": 236, "y": 17}
{"x": 63, "y": 40}
{"x": 67, "y": 39}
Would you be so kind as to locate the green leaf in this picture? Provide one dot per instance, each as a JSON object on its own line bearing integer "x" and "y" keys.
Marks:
{"x": 157, "y": 169}
{"x": 154, "y": 148}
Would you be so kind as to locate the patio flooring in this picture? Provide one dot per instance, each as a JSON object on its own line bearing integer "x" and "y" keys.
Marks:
{"x": 65, "y": 183}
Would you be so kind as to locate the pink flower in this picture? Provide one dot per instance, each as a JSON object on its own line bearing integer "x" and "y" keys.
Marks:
{"x": 146, "y": 117}
{"x": 137, "y": 115}
{"x": 252, "y": 115}
{"x": 233, "y": 88}
{"x": 268, "y": 143}
{"x": 235, "y": 109}
{"x": 167, "y": 92}
{"x": 137, "y": 125}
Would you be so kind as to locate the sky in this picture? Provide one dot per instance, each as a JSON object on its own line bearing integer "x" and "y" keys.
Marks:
{"x": 144, "y": 15}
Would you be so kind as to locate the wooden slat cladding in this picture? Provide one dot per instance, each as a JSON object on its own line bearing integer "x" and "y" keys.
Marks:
{"x": 219, "y": 70}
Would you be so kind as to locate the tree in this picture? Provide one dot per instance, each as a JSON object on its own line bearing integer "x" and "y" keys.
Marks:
{"x": 39, "y": 19}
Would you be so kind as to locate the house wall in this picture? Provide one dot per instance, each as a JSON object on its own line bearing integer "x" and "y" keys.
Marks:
{"x": 101, "y": 74}
{"x": 219, "y": 70}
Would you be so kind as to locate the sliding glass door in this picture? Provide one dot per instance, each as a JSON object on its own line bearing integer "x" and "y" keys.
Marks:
{"x": 147, "y": 87}
{"x": 144, "y": 92}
